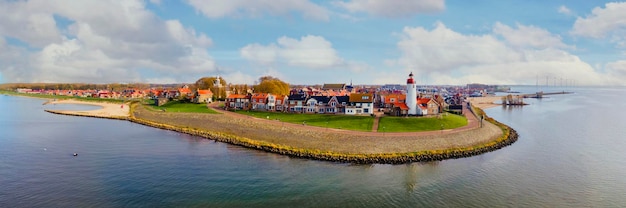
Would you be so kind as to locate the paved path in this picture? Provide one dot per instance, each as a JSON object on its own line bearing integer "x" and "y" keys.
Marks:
{"x": 375, "y": 124}
{"x": 472, "y": 123}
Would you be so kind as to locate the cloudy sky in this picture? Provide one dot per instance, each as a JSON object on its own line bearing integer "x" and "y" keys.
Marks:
{"x": 313, "y": 42}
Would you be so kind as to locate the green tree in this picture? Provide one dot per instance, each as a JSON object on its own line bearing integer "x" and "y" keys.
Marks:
{"x": 268, "y": 84}
{"x": 219, "y": 92}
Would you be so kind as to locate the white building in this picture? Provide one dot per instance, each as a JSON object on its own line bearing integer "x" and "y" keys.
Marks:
{"x": 411, "y": 95}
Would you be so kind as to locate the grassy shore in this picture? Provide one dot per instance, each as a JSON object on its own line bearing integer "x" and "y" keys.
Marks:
{"x": 331, "y": 145}
{"x": 183, "y": 107}
{"x": 357, "y": 123}
{"x": 417, "y": 124}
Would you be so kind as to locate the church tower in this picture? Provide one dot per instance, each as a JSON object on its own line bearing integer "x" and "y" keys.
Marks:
{"x": 411, "y": 95}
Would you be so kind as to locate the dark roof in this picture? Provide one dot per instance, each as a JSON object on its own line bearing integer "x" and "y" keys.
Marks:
{"x": 343, "y": 99}
{"x": 297, "y": 97}
{"x": 334, "y": 86}
{"x": 323, "y": 99}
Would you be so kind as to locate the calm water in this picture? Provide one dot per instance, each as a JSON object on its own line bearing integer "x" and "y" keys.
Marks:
{"x": 570, "y": 154}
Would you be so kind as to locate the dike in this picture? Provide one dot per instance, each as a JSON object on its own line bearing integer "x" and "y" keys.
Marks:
{"x": 509, "y": 137}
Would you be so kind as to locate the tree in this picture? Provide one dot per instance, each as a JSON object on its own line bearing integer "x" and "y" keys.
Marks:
{"x": 204, "y": 83}
{"x": 268, "y": 84}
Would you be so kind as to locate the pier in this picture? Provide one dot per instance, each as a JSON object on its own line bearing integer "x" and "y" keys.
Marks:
{"x": 542, "y": 94}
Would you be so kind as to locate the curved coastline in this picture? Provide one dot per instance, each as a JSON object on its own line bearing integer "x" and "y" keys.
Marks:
{"x": 508, "y": 136}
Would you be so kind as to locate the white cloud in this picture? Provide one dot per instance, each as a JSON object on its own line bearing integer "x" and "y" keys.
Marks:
{"x": 310, "y": 52}
{"x": 602, "y": 22}
{"x": 529, "y": 36}
{"x": 35, "y": 26}
{"x": 443, "y": 56}
{"x": 12, "y": 63}
{"x": 442, "y": 49}
{"x": 564, "y": 10}
{"x": 239, "y": 77}
{"x": 393, "y": 9}
{"x": 110, "y": 45}
{"x": 217, "y": 8}
{"x": 617, "y": 69}
{"x": 265, "y": 55}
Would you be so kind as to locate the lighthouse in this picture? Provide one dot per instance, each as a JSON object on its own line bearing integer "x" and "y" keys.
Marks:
{"x": 411, "y": 95}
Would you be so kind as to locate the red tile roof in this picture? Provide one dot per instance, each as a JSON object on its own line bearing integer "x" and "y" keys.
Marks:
{"x": 205, "y": 92}
{"x": 184, "y": 90}
{"x": 402, "y": 106}
{"x": 399, "y": 98}
{"x": 235, "y": 96}
{"x": 259, "y": 96}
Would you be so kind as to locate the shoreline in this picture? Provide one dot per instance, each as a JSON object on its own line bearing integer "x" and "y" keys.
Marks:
{"x": 108, "y": 110}
{"x": 421, "y": 147}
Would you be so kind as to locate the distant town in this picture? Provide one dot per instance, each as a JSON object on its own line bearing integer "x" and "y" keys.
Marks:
{"x": 268, "y": 95}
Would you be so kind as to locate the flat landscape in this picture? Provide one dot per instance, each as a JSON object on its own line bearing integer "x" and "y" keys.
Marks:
{"x": 321, "y": 138}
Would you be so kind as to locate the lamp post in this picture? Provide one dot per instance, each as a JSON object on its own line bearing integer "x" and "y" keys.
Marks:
{"x": 383, "y": 131}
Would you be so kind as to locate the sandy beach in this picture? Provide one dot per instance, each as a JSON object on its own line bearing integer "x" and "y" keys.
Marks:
{"x": 108, "y": 110}
{"x": 486, "y": 102}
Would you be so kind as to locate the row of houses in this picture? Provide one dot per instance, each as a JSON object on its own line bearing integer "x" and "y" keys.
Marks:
{"x": 353, "y": 104}
{"x": 395, "y": 104}
{"x": 125, "y": 94}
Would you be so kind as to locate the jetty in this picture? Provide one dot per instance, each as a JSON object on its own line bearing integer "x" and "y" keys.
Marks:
{"x": 541, "y": 94}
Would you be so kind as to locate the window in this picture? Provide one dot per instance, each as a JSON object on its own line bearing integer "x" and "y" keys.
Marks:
{"x": 365, "y": 97}
{"x": 367, "y": 110}
{"x": 333, "y": 104}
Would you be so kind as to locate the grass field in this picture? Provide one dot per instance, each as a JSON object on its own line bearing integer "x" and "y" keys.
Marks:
{"x": 413, "y": 124}
{"x": 357, "y": 123}
{"x": 180, "y": 107}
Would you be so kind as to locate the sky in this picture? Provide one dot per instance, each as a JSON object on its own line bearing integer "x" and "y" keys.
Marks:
{"x": 452, "y": 42}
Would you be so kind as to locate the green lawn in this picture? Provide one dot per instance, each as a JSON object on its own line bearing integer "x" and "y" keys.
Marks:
{"x": 413, "y": 124}
{"x": 358, "y": 123}
{"x": 183, "y": 107}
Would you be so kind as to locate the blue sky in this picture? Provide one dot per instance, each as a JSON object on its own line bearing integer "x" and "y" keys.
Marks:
{"x": 313, "y": 42}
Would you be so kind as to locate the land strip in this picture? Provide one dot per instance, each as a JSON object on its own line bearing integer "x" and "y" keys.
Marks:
{"x": 108, "y": 110}
{"x": 318, "y": 142}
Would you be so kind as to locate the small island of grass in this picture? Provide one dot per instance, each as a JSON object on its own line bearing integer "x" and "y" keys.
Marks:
{"x": 356, "y": 123}
{"x": 182, "y": 107}
{"x": 418, "y": 124}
